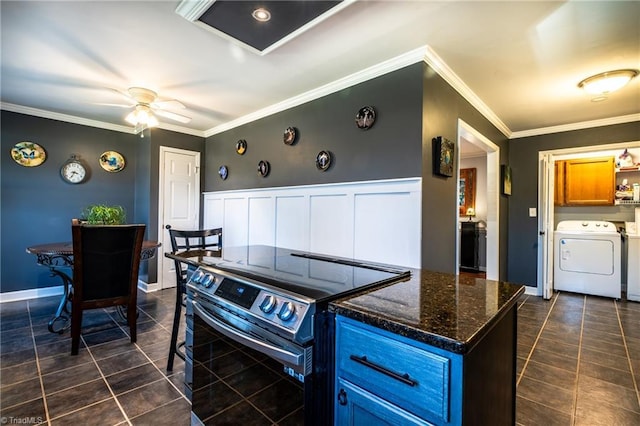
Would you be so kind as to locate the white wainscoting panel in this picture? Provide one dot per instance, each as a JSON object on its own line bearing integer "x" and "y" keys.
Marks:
{"x": 292, "y": 221}
{"x": 373, "y": 220}
{"x": 332, "y": 230}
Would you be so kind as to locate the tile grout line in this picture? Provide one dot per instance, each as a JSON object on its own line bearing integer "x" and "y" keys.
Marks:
{"x": 626, "y": 349}
{"x": 544, "y": 323}
{"x": 164, "y": 376}
{"x": 574, "y": 408}
{"x": 104, "y": 378}
{"x": 35, "y": 349}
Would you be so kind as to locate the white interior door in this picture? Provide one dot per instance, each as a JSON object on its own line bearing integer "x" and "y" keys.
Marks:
{"x": 179, "y": 201}
{"x": 545, "y": 224}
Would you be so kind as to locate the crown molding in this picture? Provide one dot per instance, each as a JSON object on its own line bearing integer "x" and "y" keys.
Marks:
{"x": 91, "y": 123}
{"x": 433, "y": 60}
{"x": 577, "y": 126}
{"x": 382, "y": 68}
{"x": 193, "y": 9}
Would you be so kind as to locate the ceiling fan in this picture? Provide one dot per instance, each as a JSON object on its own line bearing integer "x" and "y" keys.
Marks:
{"x": 146, "y": 105}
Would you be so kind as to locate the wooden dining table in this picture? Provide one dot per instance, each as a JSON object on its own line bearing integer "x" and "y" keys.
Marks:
{"x": 58, "y": 257}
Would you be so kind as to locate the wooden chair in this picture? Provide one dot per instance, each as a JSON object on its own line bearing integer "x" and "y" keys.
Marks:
{"x": 106, "y": 260}
{"x": 185, "y": 240}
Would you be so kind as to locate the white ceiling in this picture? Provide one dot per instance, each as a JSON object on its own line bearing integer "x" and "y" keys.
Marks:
{"x": 518, "y": 62}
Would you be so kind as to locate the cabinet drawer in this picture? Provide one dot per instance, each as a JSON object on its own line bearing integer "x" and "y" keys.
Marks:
{"x": 410, "y": 377}
{"x": 357, "y": 407}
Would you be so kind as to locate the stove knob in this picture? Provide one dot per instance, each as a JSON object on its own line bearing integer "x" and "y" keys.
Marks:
{"x": 287, "y": 311}
{"x": 197, "y": 276}
{"x": 268, "y": 304}
{"x": 208, "y": 281}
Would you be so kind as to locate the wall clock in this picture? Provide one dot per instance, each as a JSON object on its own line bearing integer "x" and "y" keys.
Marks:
{"x": 73, "y": 171}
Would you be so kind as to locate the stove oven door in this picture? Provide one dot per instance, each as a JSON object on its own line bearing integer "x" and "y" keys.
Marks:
{"x": 240, "y": 375}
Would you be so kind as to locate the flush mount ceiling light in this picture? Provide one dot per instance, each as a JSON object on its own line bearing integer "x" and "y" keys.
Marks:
{"x": 261, "y": 14}
{"x": 600, "y": 85}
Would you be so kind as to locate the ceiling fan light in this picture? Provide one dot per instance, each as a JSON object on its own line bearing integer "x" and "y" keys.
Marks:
{"x": 132, "y": 118}
{"x": 152, "y": 121}
{"x": 607, "y": 82}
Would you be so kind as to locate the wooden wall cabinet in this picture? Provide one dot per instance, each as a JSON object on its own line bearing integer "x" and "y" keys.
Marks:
{"x": 585, "y": 182}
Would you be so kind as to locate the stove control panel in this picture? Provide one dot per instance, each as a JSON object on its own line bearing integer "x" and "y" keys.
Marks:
{"x": 278, "y": 311}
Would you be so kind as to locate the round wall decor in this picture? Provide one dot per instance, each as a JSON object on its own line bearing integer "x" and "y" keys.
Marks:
{"x": 323, "y": 160}
{"x": 223, "y": 171}
{"x": 290, "y": 135}
{"x": 112, "y": 161}
{"x": 241, "y": 146}
{"x": 28, "y": 154}
{"x": 263, "y": 168}
{"x": 365, "y": 117}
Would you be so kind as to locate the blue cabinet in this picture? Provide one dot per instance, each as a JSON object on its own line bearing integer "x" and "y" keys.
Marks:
{"x": 359, "y": 407}
{"x": 384, "y": 376}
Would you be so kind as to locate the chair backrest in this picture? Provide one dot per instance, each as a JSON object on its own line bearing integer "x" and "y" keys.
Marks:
{"x": 195, "y": 239}
{"x": 106, "y": 261}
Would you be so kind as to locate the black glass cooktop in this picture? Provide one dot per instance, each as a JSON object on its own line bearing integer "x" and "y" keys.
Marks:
{"x": 319, "y": 277}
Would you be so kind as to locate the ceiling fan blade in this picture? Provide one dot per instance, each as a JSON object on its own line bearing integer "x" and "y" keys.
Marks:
{"x": 172, "y": 115}
{"x": 123, "y": 94}
{"x": 132, "y": 104}
{"x": 168, "y": 104}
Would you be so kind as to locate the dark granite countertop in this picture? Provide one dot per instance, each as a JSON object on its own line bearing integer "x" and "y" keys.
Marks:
{"x": 447, "y": 311}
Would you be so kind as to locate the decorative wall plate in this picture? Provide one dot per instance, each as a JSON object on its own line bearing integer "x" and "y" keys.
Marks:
{"x": 323, "y": 160}
{"x": 241, "y": 146}
{"x": 290, "y": 135}
{"x": 28, "y": 154}
{"x": 223, "y": 172}
{"x": 263, "y": 168}
{"x": 112, "y": 161}
{"x": 365, "y": 117}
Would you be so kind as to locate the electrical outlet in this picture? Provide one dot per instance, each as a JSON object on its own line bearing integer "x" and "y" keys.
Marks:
{"x": 532, "y": 212}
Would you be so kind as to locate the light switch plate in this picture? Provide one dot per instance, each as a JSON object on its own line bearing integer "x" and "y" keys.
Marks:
{"x": 532, "y": 212}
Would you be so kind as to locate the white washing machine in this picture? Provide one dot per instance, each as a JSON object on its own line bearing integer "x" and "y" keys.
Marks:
{"x": 587, "y": 258}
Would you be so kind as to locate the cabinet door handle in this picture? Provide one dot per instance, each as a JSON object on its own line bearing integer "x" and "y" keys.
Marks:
{"x": 342, "y": 397}
{"x": 404, "y": 378}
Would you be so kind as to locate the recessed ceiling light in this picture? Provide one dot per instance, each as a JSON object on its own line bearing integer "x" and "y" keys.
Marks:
{"x": 261, "y": 14}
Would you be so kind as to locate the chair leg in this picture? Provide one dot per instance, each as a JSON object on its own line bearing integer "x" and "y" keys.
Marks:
{"x": 174, "y": 329}
{"x": 76, "y": 325}
{"x": 132, "y": 319}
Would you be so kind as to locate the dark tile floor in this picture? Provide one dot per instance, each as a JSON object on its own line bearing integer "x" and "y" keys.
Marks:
{"x": 578, "y": 364}
{"x": 578, "y": 361}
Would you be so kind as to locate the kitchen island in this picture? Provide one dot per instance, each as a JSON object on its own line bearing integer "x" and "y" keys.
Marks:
{"x": 434, "y": 349}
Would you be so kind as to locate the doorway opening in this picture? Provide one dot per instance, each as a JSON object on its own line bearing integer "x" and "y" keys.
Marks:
{"x": 546, "y": 207}
{"x": 476, "y": 148}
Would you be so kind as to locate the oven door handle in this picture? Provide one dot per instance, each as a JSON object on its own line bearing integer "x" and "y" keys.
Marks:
{"x": 245, "y": 339}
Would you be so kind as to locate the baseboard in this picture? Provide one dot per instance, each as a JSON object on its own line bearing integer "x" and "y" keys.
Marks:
{"x": 533, "y": 291}
{"x": 34, "y": 293}
{"x": 148, "y": 288}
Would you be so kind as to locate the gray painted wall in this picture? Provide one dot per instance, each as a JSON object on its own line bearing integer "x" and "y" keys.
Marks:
{"x": 442, "y": 108}
{"x": 37, "y": 205}
{"x": 523, "y": 158}
{"x": 390, "y": 149}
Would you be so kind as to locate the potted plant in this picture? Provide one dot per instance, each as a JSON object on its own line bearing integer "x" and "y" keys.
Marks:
{"x": 101, "y": 214}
